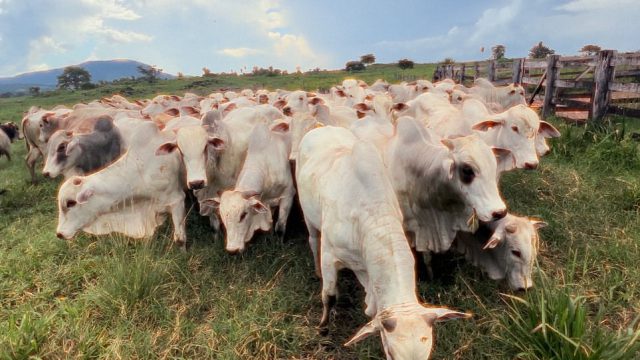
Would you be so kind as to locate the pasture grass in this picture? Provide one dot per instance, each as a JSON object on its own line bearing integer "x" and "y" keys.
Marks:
{"x": 114, "y": 297}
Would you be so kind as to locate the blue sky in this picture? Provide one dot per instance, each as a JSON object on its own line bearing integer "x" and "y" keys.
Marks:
{"x": 225, "y": 35}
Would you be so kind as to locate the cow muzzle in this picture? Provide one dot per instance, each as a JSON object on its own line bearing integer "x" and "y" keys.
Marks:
{"x": 196, "y": 184}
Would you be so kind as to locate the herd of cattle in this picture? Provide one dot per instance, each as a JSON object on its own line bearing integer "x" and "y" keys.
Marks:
{"x": 378, "y": 169}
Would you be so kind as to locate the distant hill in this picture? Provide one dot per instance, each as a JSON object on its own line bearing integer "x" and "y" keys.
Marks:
{"x": 102, "y": 70}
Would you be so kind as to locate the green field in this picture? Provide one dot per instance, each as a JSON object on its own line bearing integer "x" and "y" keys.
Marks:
{"x": 112, "y": 297}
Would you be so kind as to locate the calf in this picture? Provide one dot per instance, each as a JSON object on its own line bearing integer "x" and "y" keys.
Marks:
{"x": 506, "y": 248}
{"x": 85, "y": 153}
{"x": 264, "y": 182}
{"x": 347, "y": 199}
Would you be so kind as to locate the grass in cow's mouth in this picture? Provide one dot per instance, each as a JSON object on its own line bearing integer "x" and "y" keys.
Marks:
{"x": 113, "y": 297}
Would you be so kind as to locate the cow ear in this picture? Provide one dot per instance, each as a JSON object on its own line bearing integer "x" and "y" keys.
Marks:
{"x": 547, "y": 130}
{"x": 505, "y": 159}
{"x": 190, "y": 110}
{"x": 438, "y": 314}
{"x": 487, "y": 124}
{"x": 84, "y": 195}
{"x": 280, "y": 104}
{"x": 213, "y": 202}
{"x": 172, "y": 112}
{"x": 316, "y": 101}
{"x": 369, "y": 329}
{"x": 258, "y": 206}
{"x": 68, "y": 133}
{"x": 448, "y": 143}
{"x": 492, "y": 243}
{"x": 538, "y": 224}
{"x": 281, "y": 127}
{"x": 167, "y": 148}
{"x": 400, "y": 106}
{"x": 70, "y": 146}
{"x": 310, "y": 94}
{"x": 360, "y": 114}
{"x": 217, "y": 143}
{"x": 361, "y": 107}
{"x": 341, "y": 93}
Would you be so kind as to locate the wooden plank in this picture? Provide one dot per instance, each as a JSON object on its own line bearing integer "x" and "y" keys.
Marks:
{"x": 528, "y": 80}
{"x": 571, "y": 84}
{"x": 624, "y": 111}
{"x": 538, "y": 88}
{"x": 503, "y": 65}
{"x": 630, "y": 87}
{"x": 627, "y": 59}
{"x": 625, "y": 73}
{"x": 535, "y": 64}
{"x": 574, "y": 104}
{"x": 590, "y": 68}
{"x": 549, "y": 90}
{"x": 602, "y": 76}
{"x": 577, "y": 58}
{"x": 517, "y": 71}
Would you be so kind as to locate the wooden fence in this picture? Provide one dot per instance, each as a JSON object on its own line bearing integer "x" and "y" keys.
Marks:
{"x": 582, "y": 86}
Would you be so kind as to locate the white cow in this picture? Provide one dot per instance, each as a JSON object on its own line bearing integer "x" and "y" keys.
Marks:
{"x": 506, "y": 248}
{"x": 347, "y": 198}
{"x": 130, "y": 196}
{"x": 264, "y": 183}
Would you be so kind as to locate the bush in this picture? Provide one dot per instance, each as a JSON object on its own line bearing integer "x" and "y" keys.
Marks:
{"x": 405, "y": 64}
{"x": 354, "y": 66}
{"x": 551, "y": 323}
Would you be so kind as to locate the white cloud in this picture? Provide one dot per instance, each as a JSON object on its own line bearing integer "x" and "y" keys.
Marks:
{"x": 112, "y": 9}
{"x": 239, "y": 52}
{"x": 291, "y": 45}
{"x": 590, "y": 5}
{"x": 38, "y": 67}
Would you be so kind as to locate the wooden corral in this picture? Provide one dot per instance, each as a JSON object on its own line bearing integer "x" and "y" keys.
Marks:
{"x": 574, "y": 87}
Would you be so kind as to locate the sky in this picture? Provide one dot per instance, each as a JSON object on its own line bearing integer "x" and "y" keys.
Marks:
{"x": 234, "y": 35}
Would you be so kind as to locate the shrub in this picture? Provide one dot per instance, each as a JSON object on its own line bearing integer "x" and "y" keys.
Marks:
{"x": 405, "y": 64}
{"x": 354, "y": 66}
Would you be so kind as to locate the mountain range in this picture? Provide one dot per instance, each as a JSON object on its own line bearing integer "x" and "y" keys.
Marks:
{"x": 100, "y": 70}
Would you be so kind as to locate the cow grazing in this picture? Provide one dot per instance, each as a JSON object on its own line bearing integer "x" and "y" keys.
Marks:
{"x": 130, "y": 196}
{"x": 448, "y": 183}
{"x": 347, "y": 199}
{"x": 506, "y": 248}
{"x": 70, "y": 154}
{"x": 264, "y": 183}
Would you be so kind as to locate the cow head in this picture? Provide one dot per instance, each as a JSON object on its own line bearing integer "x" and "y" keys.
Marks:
{"x": 62, "y": 150}
{"x": 514, "y": 130}
{"x": 193, "y": 143}
{"x": 472, "y": 172}
{"x": 513, "y": 249}
{"x": 78, "y": 206}
{"x": 406, "y": 330}
{"x": 48, "y": 125}
{"x": 242, "y": 214}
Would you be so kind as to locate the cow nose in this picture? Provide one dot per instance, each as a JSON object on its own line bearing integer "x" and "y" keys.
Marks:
{"x": 234, "y": 252}
{"x": 530, "y": 166}
{"x": 521, "y": 290}
{"x": 197, "y": 184}
{"x": 46, "y": 174}
{"x": 497, "y": 215}
{"x": 60, "y": 236}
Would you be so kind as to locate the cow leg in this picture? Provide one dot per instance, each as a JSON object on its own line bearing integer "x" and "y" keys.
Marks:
{"x": 284, "y": 207}
{"x": 31, "y": 158}
{"x": 178, "y": 218}
{"x": 369, "y": 299}
{"x": 329, "y": 287}
{"x": 314, "y": 244}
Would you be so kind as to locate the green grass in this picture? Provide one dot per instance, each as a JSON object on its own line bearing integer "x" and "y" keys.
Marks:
{"x": 112, "y": 297}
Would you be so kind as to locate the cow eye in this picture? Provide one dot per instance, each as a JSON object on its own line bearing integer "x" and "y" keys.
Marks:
{"x": 243, "y": 215}
{"x": 514, "y": 128}
{"x": 71, "y": 203}
{"x": 516, "y": 253}
{"x": 467, "y": 174}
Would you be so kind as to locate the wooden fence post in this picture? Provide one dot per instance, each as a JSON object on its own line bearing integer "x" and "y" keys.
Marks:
{"x": 462, "y": 69}
{"x": 476, "y": 71}
{"x": 518, "y": 69}
{"x": 603, "y": 74}
{"x": 549, "y": 90}
{"x": 492, "y": 70}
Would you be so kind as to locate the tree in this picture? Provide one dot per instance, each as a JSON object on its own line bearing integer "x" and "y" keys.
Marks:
{"x": 74, "y": 77}
{"x": 368, "y": 59}
{"x": 405, "y": 64}
{"x": 354, "y": 66}
{"x": 448, "y": 61}
{"x": 149, "y": 73}
{"x": 498, "y": 52}
{"x": 34, "y": 90}
{"x": 540, "y": 51}
{"x": 590, "y": 50}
